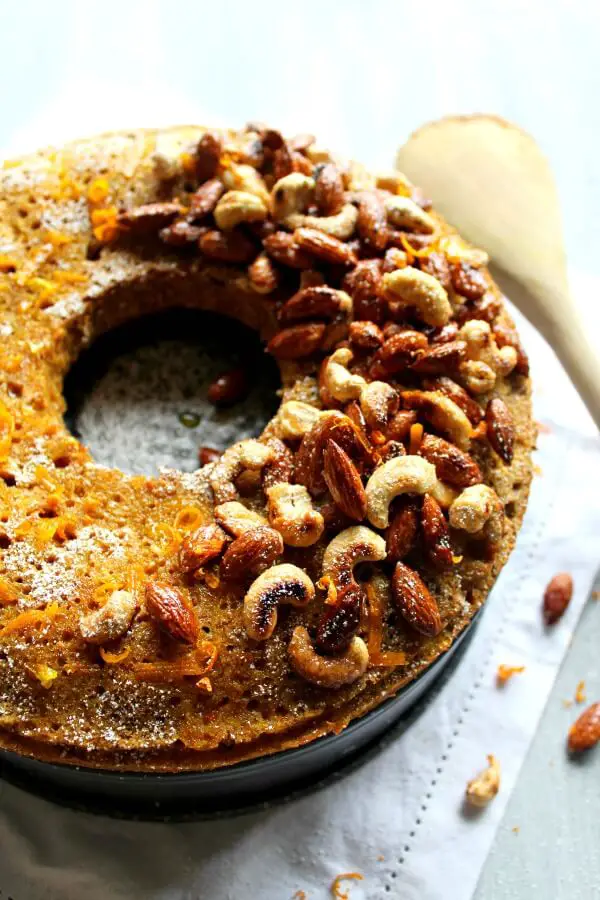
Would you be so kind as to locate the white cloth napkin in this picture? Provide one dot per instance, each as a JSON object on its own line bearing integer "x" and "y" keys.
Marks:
{"x": 398, "y": 819}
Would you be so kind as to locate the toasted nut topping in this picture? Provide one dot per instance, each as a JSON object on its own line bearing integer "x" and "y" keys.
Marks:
{"x": 436, "y": 534}
{"x": 148, "y": 219}
{"x": 443, "y": 413}
{"x": 203, "y": 202}
{"x": 172, "y": 611}
{"x": 315, "y": 302}
{"x": 473, "y": 508}
{"x": 280, "y": 584}
{"x": 444, "y": 494}
{"x": 477, "y": 376}
{"x": 231, "y": 247}
{"x": 378, "y": 401}
{"x": 416, "y": 604}
{"x": 292, "y": 194}
{"x": 250, "y": 454}
{"x": 297, "y": 341}
{"x": 457, "y": 394}
{"x": 347, "y": 435}
{"x": 295, "y": 418}
{"x": 251, "y": 553}
{"x": 500, "y": 429}
{"x": 365, "y": 336}
{"x": 451, "y": 464}
{"x": 350, "y": 547}
{"x": 401, "y": 475}
{"x": 110, "y": 621}
{"x": 340, "y": 226}
{"x": 200, "y": 546}
{"x": 325, "y": 246}
{"x": 362, "y": 283}
{"x": 344, "y": 481}
{"x": 413, "y": 288}
{"x": 327, "y": 671}
{"x": 557, "y": 597}
{"x": 585, "y": 733}
{"x": 329, "y": 193}
{"x": 486, "y": 785}
{"x": 208, "y": 154}
{"x": 236, "y": 207}
{"x": 236, "y": 518}
{"x": 245, "y": 178}
{"x": 284, "y": 250}
{"x": 372, "y": 220}
{"x": 228, "y": 388}
{"x": 402, "y": 533}
{"x": 291, "y": 512}
{"x": 338, "y": 381}
{"x": 263, "y": 275}
{"x": 404, "y": 213}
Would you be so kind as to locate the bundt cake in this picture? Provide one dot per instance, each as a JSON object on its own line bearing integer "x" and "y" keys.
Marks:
{"x": 191, "y": 620}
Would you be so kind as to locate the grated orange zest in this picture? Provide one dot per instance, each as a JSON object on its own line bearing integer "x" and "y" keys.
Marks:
{"x": 114, "y": 658}
{"x": 58, "y": 239}
{"x": 98, "y": 190}
{"x": 416, "y": 436}
{"x": 336, "y": 890}
{"x": 418, "y": 253}
{"x": 30, "y": 619}
{"x": 45, "y": 674}
{"x": 7, "y": 427}
{"x": 188, "y": 518}
{"x": 161, "y": 531}
{"x": 505, "y": 673}
{"x": 580, "y": 695}
{"x": 8, "y": 594}
{"x": 8, "y": 263}
{"x": 63, "y": 276}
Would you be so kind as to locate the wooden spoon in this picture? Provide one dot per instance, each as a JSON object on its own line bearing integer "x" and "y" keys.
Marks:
{"x": 491, "y": 181}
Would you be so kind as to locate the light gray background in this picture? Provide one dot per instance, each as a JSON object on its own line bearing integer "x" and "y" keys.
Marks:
{"x": 362, "y": 76}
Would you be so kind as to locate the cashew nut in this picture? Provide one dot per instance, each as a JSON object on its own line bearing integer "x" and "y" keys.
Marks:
{"x": 292, "y": 194}
{"x": 378, "y": 401}
{"x": 444, "y": 493}
{"x": 110, "y": 621}
{"x": 341, "y": 225}
{"x": 411, "y": 287}
{"x": 280, "y": 584}
{"x": 477, "y": 508}
{"x": 477, "y": 376}
{"x": 443, "y": 413}
{"x": 327, "y": 671}
{"x": 291, "y": 512}
{"x": 394, "y": 182}
{"x": 338, "y": 381}
{"x": 485, "y": 359}
{"x": 242, "y": 177}
{"x": 402, "y": 212}
{"x": 295, "y": 418}
{"x": 486, "y": 785}
{"x": 400, "y": 475}
{"x": 350, "y": 547}
{"x": 249, "y": 454}
{"x": 236, "y": 207}
{"x": 236, "y": 518}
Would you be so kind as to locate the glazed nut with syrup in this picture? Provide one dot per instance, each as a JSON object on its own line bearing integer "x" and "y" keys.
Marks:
{"x": 294, "y": 418}
{"x": 557, "y": 597}
{"x": 415, "y": 602}
{"x": 201, "y": 546}
{"x": 482, "y": 789}
{"x": 354, "y": 545}
{"x": 236, "y": 518}
{"x": 400, "y": 475}
{"x": 475, "y": 508}
{"x": 341, "y": 384}
{"x": 250, "y": 454}
{"x": 409, "y": 287}
{"x": 172, "y": 611}
{"x": 327, "y": 671}
{"x": 237, "y": 207}
{"x": 292, "y": 514}
{"x": 405, "y": 214}
{"x": 280, "y": 584}
{"x": 111, "y": 621}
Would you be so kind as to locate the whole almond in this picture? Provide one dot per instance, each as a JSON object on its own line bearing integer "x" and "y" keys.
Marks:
{"x": 468, "y": 282}
{"x": 181, "y": 233}
{"x": 148, "y": 219}
{"x": 233, "y": 247}
{"x": 363, "y": 284}
{"x": 507, "y": 336}
{"x": 207, "y": 455}
{"x": 329, "y": 190}
{"x": 451, "y": 464}
{"x": 398, "y": 353}
{"x": 172, "y": 611}
{"x": 437, "y": 265}
{"x": 324, "y": 246}
{"x": 200, "y": 546}
{"x": 436, "y": 534}
{"x": 557, "y": 597}
{"x": 282, "y": 247}
{"x": 372, "y": 220}
{"x": 313, "y": 302}
{"x": 208, "y": 154}
{"x": 344, "y": 482}
{"x": 365, "y": 336}
{"x": 585, "y": 733}
{"x": 229, "y": 388}
{"x": 297, "y": 341}
{"x": 402, "y": 533}
{"x": 414, "y": 601}
{"x": 251, "y": 553}
{"x": 500, "y": 429}
{"x": 441, "y": 359}
{"x": 398, "y": 428}
{"x": 203, "y": 202}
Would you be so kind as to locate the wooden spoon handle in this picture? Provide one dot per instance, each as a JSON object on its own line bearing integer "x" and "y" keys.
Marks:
{"x": 549, "y": 307}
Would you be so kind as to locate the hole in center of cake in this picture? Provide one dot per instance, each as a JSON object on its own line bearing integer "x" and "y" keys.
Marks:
{"x": 155, "y": 391}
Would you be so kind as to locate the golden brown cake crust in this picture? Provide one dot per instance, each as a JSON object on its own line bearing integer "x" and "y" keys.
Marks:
{"x": 206, "y": 690}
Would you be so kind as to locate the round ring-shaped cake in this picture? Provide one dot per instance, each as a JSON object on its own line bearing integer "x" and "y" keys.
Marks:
{"x": 189, "y": 621}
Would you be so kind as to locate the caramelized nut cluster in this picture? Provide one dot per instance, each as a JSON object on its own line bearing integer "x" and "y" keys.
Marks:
{"x": 400, "y": 320}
